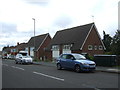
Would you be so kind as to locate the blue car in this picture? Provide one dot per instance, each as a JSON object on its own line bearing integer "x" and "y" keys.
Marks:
{"x": 75, "y": 61}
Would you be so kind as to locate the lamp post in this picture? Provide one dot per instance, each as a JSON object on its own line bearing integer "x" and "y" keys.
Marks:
{"x": 34, "y": 36}
{"x": 93, "y": 18}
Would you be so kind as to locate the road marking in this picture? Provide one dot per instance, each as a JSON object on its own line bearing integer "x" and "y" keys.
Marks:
{"x": 5, "y": 64}
{"x": 17, "y": 68}
{"x": 49, "y": 76}
{"x": 20, "y": 68}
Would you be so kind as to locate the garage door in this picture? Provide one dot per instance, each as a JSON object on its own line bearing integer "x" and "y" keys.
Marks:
{"x": 55, "y": 53}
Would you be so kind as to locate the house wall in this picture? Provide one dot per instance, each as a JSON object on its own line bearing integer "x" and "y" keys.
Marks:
{"x": 94, "y": 40}
{"x": 41, "y": 54}
{"x": 48, "y": 55}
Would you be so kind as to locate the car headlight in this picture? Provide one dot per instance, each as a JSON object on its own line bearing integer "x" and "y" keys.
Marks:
{"x": 85, "y": 64}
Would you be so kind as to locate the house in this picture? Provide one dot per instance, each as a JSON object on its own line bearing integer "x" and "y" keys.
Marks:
{"x": 17, "y": 48}
{"x": 36, "y": 46}
{"x": 83, "y": 39}
{"x": 5, "y": 52}
{"x": 11, "y": 52}
{"x": 20, "y": 46}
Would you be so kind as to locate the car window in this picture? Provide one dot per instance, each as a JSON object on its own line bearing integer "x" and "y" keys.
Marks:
{"x": 69, "y": 57}
{"x": 78, "y": 56}
{"x": 63, "y": 56}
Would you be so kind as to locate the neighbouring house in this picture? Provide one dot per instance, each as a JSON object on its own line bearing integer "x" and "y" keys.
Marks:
{"x": 5, "y": 52}
{"x": 17, "y": 48}
{"x": 11, "y": 52}
{"x": 21, "y": 46}
{"x": 83, "y": 39}
{"x": 36, "y": 46}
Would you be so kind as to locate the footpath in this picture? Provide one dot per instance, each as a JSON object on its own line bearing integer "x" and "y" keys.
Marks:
{"x": 98, "y": 68}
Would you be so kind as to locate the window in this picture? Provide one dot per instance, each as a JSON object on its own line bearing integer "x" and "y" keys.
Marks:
{"x": 66, "y": 47}
{"x": 26, "y": 49}
{"x": 69, "y": 57}
{"x": 95, "y": 47}
{"x": 32, "y": 49}
{"x": 90, "y": 47}
{"x": 63, "y": 56}
{"x": 55, "y": 47}
{"x": 100, "y": 47}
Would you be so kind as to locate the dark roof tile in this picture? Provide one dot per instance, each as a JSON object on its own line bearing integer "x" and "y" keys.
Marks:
{"x": 75, "y": 35}
{"x": 38, "y": 40}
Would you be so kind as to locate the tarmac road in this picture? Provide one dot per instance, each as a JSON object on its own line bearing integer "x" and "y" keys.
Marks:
{"x": 41, "y": 76}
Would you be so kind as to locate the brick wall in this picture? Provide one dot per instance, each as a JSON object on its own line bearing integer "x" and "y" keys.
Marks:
{"x": 94, "y": 40}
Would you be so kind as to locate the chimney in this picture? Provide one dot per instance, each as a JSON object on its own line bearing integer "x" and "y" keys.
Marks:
{"x": 17, "y": 43}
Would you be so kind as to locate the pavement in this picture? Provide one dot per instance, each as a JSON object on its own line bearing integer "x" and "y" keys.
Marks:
{"x": 98, "y": 68}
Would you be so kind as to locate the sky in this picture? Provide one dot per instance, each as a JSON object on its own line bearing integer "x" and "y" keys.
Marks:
{"x": 17, "y": 25}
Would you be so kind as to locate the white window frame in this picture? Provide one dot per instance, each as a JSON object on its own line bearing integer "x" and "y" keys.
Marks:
{"x": 55, "y": 47}
{"x": 90, "y": 48}
{"x": 66, "y": 47}
{"x": 100, "y": 47}
{"x": 95, "y": 47}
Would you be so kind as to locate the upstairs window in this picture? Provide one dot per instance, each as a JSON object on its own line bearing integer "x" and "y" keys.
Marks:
{"x": 66, "y": 47}
{"x": 100, "y": 47}
{"x": 55, "y": 47}
{"x": 90, "y": 47}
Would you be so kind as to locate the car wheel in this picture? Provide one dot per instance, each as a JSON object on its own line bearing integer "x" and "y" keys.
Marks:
{"x": 77, "y": 68}
{"x": 16, "y": 62}
{"x": 59, "y": 67}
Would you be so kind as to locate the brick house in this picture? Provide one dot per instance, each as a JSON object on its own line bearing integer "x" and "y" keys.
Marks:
{"x": 11, "y": 52}
{"x": 83, "y": 39}
{"x": 5, "y": 51}
{"x": 36, "y": 46}
{"x": 17, "y": 48}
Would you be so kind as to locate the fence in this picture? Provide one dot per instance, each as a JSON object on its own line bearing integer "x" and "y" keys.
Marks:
{"x": 107, "y": 60}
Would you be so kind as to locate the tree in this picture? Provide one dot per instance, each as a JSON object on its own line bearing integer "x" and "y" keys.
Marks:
{"x": 107, "y": 39}
{"x": 115, "y": 46}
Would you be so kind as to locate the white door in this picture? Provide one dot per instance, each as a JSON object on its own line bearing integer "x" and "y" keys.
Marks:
{"x": 55, "y": 53}
{"x": 31, "y": 51}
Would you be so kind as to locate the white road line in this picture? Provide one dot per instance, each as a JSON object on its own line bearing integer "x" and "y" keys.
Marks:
{"x": 5, "y": 64}
{"x": 49, "y": 76}
{"x": 20, "y": 68}
{"x": 13, "y": 66}
{"x": 17, "y": 68}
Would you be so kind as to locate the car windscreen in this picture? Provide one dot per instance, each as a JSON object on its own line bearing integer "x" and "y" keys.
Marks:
{"x": 24, "y": 54}
{"x": 78, "y": 56}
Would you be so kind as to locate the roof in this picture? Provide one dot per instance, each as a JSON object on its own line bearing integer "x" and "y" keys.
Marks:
{"x": 38, "y": 41}
{"x": 75, "y": 36}
{"x": 6, "y": 49}
{"x": 21, "y": 46}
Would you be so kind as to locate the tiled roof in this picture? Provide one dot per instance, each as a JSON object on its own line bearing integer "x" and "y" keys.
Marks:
{"x": 75, "y": 36}
{"x": 21, "y": 46}
{"x": 38, "y": 40}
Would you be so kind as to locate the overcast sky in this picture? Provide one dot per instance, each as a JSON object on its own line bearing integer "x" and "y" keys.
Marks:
{"x": 16, "y": 24}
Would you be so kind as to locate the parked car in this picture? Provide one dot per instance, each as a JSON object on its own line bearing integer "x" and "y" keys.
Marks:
{"x": 75, "y": 61}
{"x": 23, "y": 58}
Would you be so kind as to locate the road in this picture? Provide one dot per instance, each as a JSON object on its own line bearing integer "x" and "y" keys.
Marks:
{"x": 41, "y": 76}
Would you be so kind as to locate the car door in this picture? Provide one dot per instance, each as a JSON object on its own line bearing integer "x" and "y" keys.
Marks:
{"x": 63, "y": 61}
{"x": 69, "y": 61}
